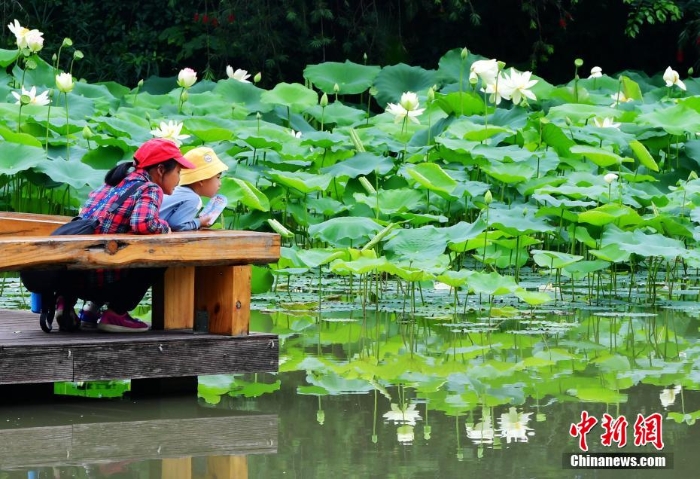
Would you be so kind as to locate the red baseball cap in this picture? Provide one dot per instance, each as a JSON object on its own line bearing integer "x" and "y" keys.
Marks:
{"x": 158, "y": 150}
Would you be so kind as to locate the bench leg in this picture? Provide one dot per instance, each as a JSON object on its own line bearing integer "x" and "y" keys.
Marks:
{"x": 224, "y": 293}
{"x": 176, "y": 468}
{"x": 173, "y": 299}
{"x": 227, "y": 467}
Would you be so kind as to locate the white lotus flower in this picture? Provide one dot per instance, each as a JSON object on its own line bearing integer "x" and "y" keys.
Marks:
{"x": 403, "y": 415}
{"x": 610, "y": 177}
{"x": 295, "y": 134}
{"x": 170, "y": 130}
{"x": 240, "y": 75}
{"x": 20, "y": 33}
{"x": 35, "y": 40}
{"x": 671, "y": 78}
{"x": 517, "y": 86}
{"x": 668, "y": 396}
{"x": 64, "y": 82}
{"x": 619, "y": 98}
{"x": 487, "y": 70}
{"x": 186, "y": 78}
{"x": 606, "y": 123}
{"x": 406, "y": 108}
{"x": 42, "y": 99}
{"x": 513, "y": 425}
{"x": 596, "y": 72}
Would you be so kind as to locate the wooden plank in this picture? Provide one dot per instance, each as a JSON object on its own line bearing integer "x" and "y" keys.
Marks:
{"x": 35, "y": 364}
{"x": 175, "y": 298}
{"x": 93, "y": 442}
{"x": 201, "y": 248}
{"x": 194, "y": 356}
{"x": 224, "y": 292}
{"x": 227, "y": 467}
{"x": 29, "y": 224}
{"x": 176, "y": 468}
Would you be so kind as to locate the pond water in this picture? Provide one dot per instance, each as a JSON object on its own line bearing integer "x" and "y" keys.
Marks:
{"x": 396, "y": 389}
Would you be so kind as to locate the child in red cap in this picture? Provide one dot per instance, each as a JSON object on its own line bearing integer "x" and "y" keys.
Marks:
{"x": 156, "y": 167}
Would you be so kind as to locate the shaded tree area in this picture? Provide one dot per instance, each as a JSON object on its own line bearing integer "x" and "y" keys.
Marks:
{"x": 130, "y": 40}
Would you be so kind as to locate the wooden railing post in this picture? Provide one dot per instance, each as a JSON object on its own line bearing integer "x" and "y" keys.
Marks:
{"x": 224, "y": 293}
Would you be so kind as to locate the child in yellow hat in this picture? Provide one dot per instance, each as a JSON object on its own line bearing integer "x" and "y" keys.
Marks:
{"x": 204, "y": 180}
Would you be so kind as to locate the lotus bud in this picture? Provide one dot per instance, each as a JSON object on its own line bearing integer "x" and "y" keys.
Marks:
{"x": 610, "y": 177}
{"x": 185, "y": 96}
{"x": 501, "y": 66}
{"x": 488, "y": 197}
{"x": 431, "y": 94}
{"x": 525, "y": 211}
{"x": 78, "y": 55}
{"x": 464, "y": 53}
{"x": 67, "y": 42}
{"x": 54, "y": 58}
{"x": 279, "y": 228}
{"x": 578, "y": 63}
{"x": 690, "y": 71}
{"x": 186, "y": 78}
{"x": 140, "y": 83}
{"x": 64, "y": 82}
{"x": 336, "y": 88}
{"x": 692, "y": 176}
{"x": 324, "y": 101}
{"x": 257, "y": 77}
{"x": 258, "y": 116}
{"x": 364, "y": 57}
{"x": 367, "y": 186}
{"x": 321, "y": 417}
{"x": 87, "y": 132}
{"x": 568, "y": 121}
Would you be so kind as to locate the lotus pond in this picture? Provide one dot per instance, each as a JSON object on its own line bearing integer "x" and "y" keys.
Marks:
{"x": 394, "y": 389}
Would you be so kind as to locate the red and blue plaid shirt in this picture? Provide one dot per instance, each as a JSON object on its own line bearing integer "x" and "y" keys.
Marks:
{"x": 138, "y": 214}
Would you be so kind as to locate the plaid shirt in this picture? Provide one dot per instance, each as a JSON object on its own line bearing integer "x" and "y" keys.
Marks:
{"x": 138, "y": 214}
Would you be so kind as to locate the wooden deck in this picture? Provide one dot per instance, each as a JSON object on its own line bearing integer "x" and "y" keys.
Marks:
{"x": 95, "y": 431}
{"x": 30, "y": 356}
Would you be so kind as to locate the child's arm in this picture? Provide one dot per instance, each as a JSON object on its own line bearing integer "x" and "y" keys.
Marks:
{"x": 184, "y": 217}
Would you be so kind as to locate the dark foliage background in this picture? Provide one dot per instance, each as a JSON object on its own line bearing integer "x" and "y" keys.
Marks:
{"x": 130, "y": 40}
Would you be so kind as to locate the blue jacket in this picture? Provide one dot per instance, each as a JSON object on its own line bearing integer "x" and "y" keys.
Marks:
{"x": 180, "y": 209}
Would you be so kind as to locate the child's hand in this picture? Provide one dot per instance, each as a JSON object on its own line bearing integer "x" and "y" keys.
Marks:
{"x": 206, "y": 221}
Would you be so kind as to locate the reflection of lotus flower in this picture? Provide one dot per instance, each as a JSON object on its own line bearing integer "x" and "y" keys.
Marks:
{"x": 170, "y": 130}
{"x": 41, "y": 99}
{"x": 406, "y": 108}
{"x": 596, "y": 72}
{"x": 668, "y": 396}
{"x": 605, "y": 123}
{"x": 404, "y": 434}
{"x": 482, "y": 432}
{"x": 405, "y": 415}
{"x": 513, "y": 425}
{"x": 671, "y": 78}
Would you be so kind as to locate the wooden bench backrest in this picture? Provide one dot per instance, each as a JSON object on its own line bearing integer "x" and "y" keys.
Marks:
{"x": 29, "y": 224}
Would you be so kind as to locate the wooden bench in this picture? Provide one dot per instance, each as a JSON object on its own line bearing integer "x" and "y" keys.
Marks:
{"x": 208, "y": 272}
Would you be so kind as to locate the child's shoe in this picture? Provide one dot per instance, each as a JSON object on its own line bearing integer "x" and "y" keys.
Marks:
{"x": 112, "y": 322}
{"x": 65, "y": 316}
{"x": 89, "y": 316}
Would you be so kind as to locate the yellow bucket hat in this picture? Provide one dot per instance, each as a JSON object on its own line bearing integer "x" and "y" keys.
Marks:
{"x": 206, "y": 165}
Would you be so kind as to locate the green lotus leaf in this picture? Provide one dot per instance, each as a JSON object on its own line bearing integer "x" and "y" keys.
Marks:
{"x": 304, "y": 182}
{"x": 630, "y": 88}
{"x": 16, "y": 157}
{"x": 315, "y": 257}
{"x": 611, "y": 253}
{"x": 599, "y": 395}
{"x": 676, "y": 120}
{"x": 557, "y": 139}
{"x": 517, "y": 220}
{"x": 395, "y": 80}
{"x": 642, "y": 244}
{"x": 417, "y": 244}
{"x": 126, "y": 124}
{"x": 337, "y": 113}
{"x": 345, "y": 231}
{"x": 434, "y": 178}
{"x": 21, "y": 138}
{"x": 455, "y": 279}
{"x": 393, "y": 201}
{"x": 580, "y": 113}
{"x": 103, "y": 157}
{"x": 236, "y": 189}
{"x": 361, "y": 164}
{"x": 599, "y": 156}
{"x": 292, "y": 95}
{"x": 582, "y": 269}
{"x": 7, "y": 57}
{"x": 451, "y": 67}
{"x": 554, "y": 259}
{"x": 609, "y": 213}
{"x": 510, "y": 173}
{"x": 533, "y": 298}
{"x": 461, "y": 103}
{"x": 643, "y": 155}
{"x": 209, "y": 104}
{"x": 351, "y": 78}
{"x": 73, "y": 173}
{"x": 323, "y": 139}
{"x": 242, "y": 95}
{"x": 360, "y": 266}
{"x": 492, "y": 284}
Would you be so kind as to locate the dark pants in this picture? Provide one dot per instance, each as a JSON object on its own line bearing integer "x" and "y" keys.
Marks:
{"x": 121, "y": 296}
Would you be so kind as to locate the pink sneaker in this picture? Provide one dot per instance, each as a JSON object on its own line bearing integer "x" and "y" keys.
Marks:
{"x": 112, "y": 322}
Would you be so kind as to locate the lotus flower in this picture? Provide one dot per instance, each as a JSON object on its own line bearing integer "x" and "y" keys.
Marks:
{"x": 170, "y": 130}
{"x": 513, "y": 425}
{"x": 240, "y": 75}
{"x": 42, "y": 99}
{"x": 406, "y": 108}
{"x": 605, "y": 123}
{"x": 668, "y": 396}
{"x": 671, "y": 78}
{"x": 64, "y": 82}
{"x": 403, "y": 415}
{"x": 487, "y": 70}
{"x": 610, "y": 177}
{"x": 596, "y": 72}
{"x": 186, "y": 78}
{"x": 20, "y": 33}
{"x": 517, "y": 86}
